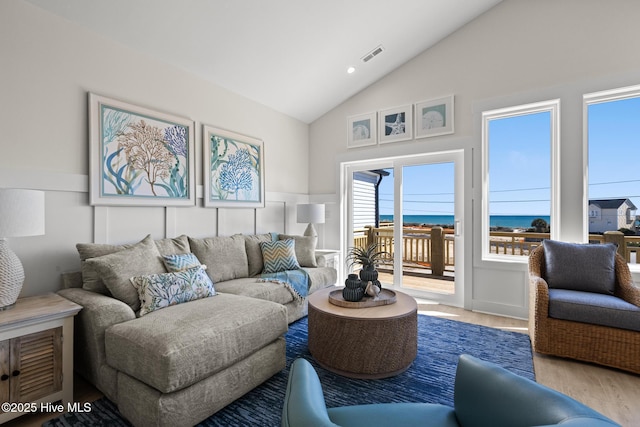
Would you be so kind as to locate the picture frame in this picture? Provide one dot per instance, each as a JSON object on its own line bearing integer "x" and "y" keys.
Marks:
{"x": 434, "y": 117}
{"x": 233, "y": 169}
{"x": 362, "y": 130}
{"x": 395, "y": 124}
{"x": 139, "y": 156}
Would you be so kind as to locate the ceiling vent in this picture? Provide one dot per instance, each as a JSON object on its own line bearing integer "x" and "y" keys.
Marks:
{"x": 375, "y": 52}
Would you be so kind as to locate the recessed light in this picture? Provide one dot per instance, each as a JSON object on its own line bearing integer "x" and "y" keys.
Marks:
{"x": 351, "y": 70}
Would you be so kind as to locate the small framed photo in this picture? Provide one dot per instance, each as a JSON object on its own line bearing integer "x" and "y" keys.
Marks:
{"x": 434, "y": 117}
{"x": 233, "y": 169}
{"x": 395, "y": 124}
{"x": 361, "y": 130}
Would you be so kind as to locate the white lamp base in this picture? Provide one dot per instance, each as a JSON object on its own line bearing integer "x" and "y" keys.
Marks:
{"x": 310, "y": 231}
{"x": 11, "y": 276}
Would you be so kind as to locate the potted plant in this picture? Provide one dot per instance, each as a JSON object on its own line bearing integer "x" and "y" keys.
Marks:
{"x": 368, "y": 258}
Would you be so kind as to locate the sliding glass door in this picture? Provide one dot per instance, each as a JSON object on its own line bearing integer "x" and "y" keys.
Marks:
{"x": 412, "y": 208}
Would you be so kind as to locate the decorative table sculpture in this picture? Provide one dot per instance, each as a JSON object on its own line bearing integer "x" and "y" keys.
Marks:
{"x": 353, "y": 290}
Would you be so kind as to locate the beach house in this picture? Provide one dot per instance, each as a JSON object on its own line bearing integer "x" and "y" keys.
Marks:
{"x": 272, "y": 76}
{"x": 611, "y": 215}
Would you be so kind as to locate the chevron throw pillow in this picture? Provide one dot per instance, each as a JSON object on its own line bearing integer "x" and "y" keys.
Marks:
{"x": 279, "y": 256}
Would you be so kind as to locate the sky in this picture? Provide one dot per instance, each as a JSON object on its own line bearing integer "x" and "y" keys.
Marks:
{"x": 520, "y": 167}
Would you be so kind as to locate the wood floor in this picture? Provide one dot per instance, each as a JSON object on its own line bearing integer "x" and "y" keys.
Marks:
{"x": 611, "y": 392}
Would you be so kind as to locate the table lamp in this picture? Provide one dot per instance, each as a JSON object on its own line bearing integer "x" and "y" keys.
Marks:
{"x": 21, "y": 214}
{"x": 312, "y": 213}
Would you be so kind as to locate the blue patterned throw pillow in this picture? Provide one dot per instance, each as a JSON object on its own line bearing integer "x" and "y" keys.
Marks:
{"x": 181, "y": 262}
{"x": 158, "y": 291}
{"x": 279, "y": 256}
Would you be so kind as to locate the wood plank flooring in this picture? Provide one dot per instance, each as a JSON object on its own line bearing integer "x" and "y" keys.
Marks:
{"x": 611, "y": 392}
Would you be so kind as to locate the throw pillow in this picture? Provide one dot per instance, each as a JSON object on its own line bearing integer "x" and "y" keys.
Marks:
{"x": 158, "y": 291}
{"x": 305, "y": 249}
{"x": 117, "y": 268}
{"x": 225, "y": 257}
{"x": 279, "y": 256}
{"x": 176, "y": 245}
{"x": 181, "y": 262}
{"x": 90, "y": 278}
{"x": 580, "y": 267}
{"x": 254, "y": 253}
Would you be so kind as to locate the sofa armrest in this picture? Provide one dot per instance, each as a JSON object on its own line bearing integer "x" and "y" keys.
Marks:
{"x": 98, "y": 313}
{"x": 304, "y": 403}
{"x": 487, "y": 394}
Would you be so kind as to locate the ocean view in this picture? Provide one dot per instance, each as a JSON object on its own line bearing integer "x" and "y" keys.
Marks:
{"x": 511, "y": 221}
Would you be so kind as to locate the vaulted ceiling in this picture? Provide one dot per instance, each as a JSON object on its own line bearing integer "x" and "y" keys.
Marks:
{"x": 291, "y": 55}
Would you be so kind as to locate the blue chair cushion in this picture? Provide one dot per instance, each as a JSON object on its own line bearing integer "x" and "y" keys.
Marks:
{"x": 593, "y": 308}
{"x": 394, "y": 414}
{"x": 580, "y": 267}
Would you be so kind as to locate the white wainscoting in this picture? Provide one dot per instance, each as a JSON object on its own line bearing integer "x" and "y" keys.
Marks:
{"x": 70, "y": 220}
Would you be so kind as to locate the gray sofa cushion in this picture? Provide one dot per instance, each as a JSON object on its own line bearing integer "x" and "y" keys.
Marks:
{"x": 580, "y": 267}
{"x": 175, "y": 246}
{"x": 254, "y": 253}
{"x": 250, "y": 287}
{"x": 305, "y": 249}
{"x": 117, "y": 268}
{"x": 224, "y": 256}
{"x": 175, "y": 347}
{"x": 91, "y": 280}
{"x": 593, "y": 308}
{"x": 321, "y": 277}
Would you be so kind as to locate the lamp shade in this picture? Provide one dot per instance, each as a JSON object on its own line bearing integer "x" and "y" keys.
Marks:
{"x": 312, "y": 213}
{"x": 21, "y": 212}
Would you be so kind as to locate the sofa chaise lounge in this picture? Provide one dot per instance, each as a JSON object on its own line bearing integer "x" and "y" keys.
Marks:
{"x": 179, "y": 364}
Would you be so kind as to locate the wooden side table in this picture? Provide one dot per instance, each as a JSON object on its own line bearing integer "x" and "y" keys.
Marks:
{"x": 373, "y": 342}
{"x": 36, "y": 353}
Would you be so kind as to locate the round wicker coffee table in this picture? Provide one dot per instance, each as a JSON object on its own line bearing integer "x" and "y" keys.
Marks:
{"x": 372, "y": 342}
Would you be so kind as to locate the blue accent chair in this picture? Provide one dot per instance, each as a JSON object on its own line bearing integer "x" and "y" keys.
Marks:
{"x": 485, "y": 394}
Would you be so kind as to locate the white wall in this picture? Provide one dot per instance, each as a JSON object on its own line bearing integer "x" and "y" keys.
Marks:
{"x": 516, "y": 53}
{"x": 47, "y": 67}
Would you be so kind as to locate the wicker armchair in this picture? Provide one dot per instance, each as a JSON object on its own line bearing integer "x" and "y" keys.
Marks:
{"x": 618, "y": 348}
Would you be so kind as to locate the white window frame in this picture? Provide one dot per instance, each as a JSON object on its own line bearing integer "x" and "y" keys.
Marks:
{"x": 587, "y": 100}
{"x": 553, "y": 107}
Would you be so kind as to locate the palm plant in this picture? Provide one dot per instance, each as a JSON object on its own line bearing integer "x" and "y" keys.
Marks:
{"x": 367, "y": 257}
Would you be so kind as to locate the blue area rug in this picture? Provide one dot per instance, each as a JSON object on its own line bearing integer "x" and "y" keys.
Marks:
{"x": 429, "y": 379}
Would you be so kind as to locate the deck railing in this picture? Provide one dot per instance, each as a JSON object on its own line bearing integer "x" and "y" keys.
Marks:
{"x": 434, "y": 248}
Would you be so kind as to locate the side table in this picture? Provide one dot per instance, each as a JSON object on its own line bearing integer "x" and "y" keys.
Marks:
{"x": 328, "y": 257}
{"x": 36, "y": 352}
{"x": 372, "y": 342}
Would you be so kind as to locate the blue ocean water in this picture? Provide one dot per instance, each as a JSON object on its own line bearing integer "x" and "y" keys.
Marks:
{"x": 511, "y": 221}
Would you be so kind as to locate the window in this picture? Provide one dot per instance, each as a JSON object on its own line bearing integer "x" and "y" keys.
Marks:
{"x": 520, "y": 174}
{"x": 612, "y": 139}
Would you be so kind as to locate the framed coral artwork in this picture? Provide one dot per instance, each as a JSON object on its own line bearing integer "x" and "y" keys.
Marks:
{"x": 233, "y": 169}
{"x": 139, "y": 156}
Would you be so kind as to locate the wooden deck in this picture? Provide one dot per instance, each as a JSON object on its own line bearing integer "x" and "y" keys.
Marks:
{"x": 443, "y": 285}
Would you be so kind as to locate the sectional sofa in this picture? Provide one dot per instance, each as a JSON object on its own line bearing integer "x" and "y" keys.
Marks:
{"x": 170, "y": 342}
